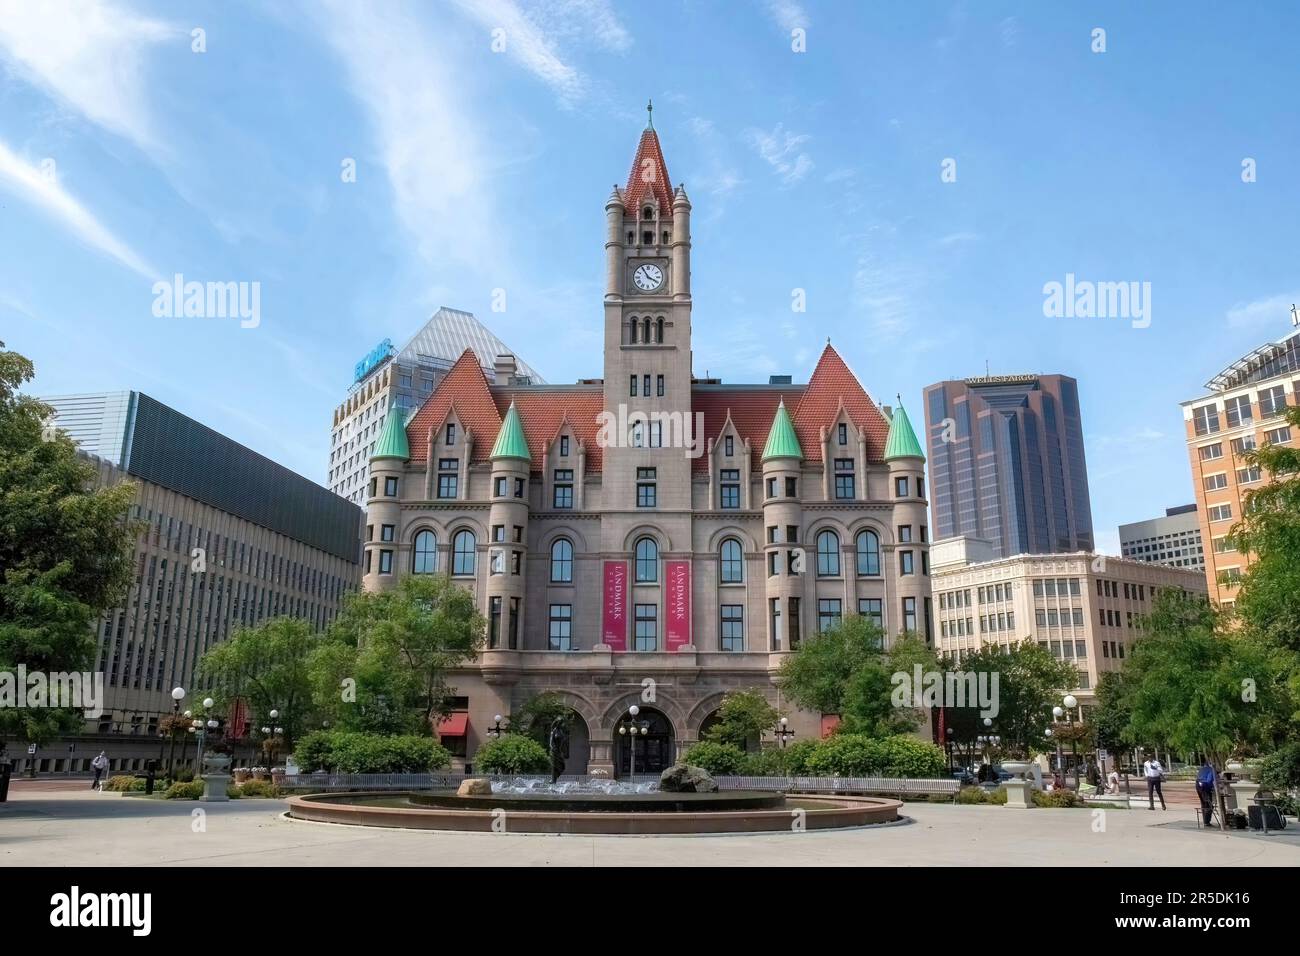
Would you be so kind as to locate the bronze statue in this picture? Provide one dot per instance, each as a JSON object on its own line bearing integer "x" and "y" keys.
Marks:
{"x": 559, "y": 747}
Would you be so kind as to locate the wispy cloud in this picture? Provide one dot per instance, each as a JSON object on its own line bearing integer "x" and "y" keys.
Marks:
{"x": 29, "y": 183}
{"x": 787, "y": 14}
{"x": 885, "y": 288}
{"x": 717, "y": 176}
{"x": 955, "y": 238}
{"x": 782, "y": 150}
{"x": 1273, "y": 311}
{"x": 89, "y": 55}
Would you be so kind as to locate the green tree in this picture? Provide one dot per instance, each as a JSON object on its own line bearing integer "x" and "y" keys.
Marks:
{"x": 818, "y": 673}
{"x": 267, "y": 665}
{"x": 536, "y": 715}
{"x": 743, "y": 718}
{"x": 65, "y": 550}
{"x": 1111, "y": 717}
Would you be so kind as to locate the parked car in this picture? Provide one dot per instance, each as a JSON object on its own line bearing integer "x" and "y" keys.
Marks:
{"x": 992, "y": 776}
{"x": 963, "y": 776}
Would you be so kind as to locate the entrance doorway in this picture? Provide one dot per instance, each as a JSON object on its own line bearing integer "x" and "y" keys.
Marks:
{"x": 655, "y": 752}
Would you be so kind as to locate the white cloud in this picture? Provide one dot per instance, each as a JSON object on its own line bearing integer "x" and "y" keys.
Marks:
{"x": 87, "y": 55}
{"x": 884, "y": 292}
{"x": 29, "y": 183}
{"x": 953, "y": 238}
{"x": 1273, "y": 311}
{"x": 716, "y": 176}
{"x": 781, "y": 150}
{"x": 787, "y": 14}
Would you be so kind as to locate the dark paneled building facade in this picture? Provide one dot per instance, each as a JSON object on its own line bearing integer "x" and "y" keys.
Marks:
{"x": 1007, "y": 463}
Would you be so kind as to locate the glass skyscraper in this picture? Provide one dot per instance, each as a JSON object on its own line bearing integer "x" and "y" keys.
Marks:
{"x": 1007, "y": 464}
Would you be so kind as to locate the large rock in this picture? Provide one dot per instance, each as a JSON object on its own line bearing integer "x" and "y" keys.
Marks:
{"x": 475, "y": 787}
{"x": 684, "y": 779}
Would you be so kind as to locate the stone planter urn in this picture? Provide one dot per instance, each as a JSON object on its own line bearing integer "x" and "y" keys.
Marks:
{"x": 1018, "y": 786}
{"x": 216, "y": 777}
{"x": 1243, "y": 788}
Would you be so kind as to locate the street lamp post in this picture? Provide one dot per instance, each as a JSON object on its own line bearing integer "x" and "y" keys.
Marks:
{"x": 783, "y": 731}
{"x": 1070, "y": 703}
{"x": 178, "y": 694}
{"x": 201, "y": 728}
{"x": 948, "y": 744}
{"x": 500, "y": 725}
{"x": 630, "y": 729}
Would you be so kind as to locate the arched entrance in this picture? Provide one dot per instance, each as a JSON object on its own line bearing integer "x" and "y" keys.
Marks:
{"x": 654, "y": 749}
{"x": 579, "y": 745}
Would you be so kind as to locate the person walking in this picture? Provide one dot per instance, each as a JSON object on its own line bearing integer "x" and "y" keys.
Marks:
{"x": 1155, "y": 775}
{"x": 1206, "y": 788}
{"x": 99, "y": 765}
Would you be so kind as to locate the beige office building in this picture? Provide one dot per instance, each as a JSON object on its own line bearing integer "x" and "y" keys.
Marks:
{"x": 1083, "y": 607}
{"x": 1243, "y": 410}
{"x": 649, "y": 537}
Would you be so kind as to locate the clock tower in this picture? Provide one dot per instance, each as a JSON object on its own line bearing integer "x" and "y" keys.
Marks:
{"x": 648, "y": 333}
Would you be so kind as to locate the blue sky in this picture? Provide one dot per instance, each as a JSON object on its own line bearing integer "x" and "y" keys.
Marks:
{"x": 127, "y": 157}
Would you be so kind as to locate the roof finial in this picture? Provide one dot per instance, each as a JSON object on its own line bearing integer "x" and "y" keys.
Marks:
{"x": 650, "y": 114}
{"x": 899, "y": 396}
{"x": 828, "y": 340}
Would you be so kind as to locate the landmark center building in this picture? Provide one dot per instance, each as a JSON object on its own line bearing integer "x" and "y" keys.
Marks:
{"x": 649, "y": 537}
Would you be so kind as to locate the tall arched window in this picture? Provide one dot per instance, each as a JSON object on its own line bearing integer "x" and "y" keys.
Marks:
{"x": 647, "y": 560}
{"x": 828, "y": 554}
{"x": 659, "y": 330}
{"x": 425, "y": 557}
{"x": 868, "y": 553}
{"x": 733, "y": 562}
{"x": 645, "y": 326}
{"x": 633, "y": 324}
{"x": 464, "y": 552}
{"x": 562, "y": 562}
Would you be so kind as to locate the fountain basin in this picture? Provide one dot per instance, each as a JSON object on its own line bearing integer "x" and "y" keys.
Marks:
{"x": 675, "y": 813}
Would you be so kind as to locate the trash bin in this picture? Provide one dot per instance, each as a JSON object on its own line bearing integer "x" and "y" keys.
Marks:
{"x": 6, "y": 771}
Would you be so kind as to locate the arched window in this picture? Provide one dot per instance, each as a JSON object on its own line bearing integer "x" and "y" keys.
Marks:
{"x": 562, "y": 562}
{"x": 659, "y": 330}
{"x": 425, "y": 558}
{"x": 463, "y": 552}
{"x": 828, "y": 555}
{"x": 733, "y": 563}
{"x": 868, "y": 553}
{"x": 646, "y": 328}
{"x": 647, "y": 560}
{"x": 633, "y": 323}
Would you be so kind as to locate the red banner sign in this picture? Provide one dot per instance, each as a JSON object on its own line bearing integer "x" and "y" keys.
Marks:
{"x": 614, "y": 627}
{"x": 678, "y": 604}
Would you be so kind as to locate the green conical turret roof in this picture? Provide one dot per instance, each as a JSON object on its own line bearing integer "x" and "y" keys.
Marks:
{"x": 782, "y": 442}
{"x": 902, "y": 441}
{"x": 392, "y": 440}
{"x": 510, "y": 441}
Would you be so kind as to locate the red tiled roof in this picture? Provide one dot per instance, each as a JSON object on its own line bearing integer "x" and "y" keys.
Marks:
{"x": 543, "y": 411}
{"x": 649, "y": 175}
{"x": 752, "y": 411}
{"x": 833, "y": 382}
{"x": 465, "y": 388}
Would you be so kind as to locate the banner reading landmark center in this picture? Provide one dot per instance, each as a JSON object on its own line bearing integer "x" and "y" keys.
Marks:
{"x": 614, "y": 627}
{"x": 679, "y": 604}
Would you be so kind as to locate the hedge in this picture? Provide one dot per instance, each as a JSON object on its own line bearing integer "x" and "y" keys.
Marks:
{"x": 512, "y": 753}
{"x": 721, "y": 760}
{"x": 341, "y": 751}
{"x": 856, "y": 755}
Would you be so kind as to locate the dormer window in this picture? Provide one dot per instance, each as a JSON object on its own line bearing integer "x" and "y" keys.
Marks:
{"x": 647, "y": 213}
{"x": 564, "y": 446}
{"x": 451, "y": 434}
{"x": 844, "y": 433}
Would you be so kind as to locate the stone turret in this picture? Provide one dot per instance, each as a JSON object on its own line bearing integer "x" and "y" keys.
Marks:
{"x": 786, "y": 567}
{"x": 508, "y": 534}
{"x": 906, "y": 462}
{"x": 388, "y": 461}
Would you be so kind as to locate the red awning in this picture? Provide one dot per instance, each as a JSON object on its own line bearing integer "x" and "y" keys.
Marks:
{"x": 830, "y": 723}
{"x": 454, "y": 725}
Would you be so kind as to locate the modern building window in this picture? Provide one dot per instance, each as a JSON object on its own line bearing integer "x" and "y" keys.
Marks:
{"x": 1278, "y": 436}
{"x": 1237, "y": 410}
{"x": 447, "y": 476}
{"x": 647, "y": 561}
{"x": 732, "y": 562}
{"x": 909, "y": 614}
{"x": 1240, "y": 445}
{"x": 730, "y": 488}
{"x": 562, "y": 497}
{"x": 494, "y": 621}
{"x": 1247, "y": 475}
{"x": 425, "y": 557}
{"x": 385, "y": 562}
{"x": 645, "y": 382}
{"x": 873, "y": 609}
{"x": 463, "y": 548}
{"x": 1272, "y": 401}
{"x": 828, "y": 614}
{"x": 390, "y": 487}
{"x": 646, "y": 633}
{"x": 733, "y": 627}
{"x": 645, "y": 488}
{"x": 386, "y": 532}
{"x": 561, "y": 627}
{"x": 1219, "y": 512}
{"x": 868, "y": 552}
{"x": 844, "y": 478}
{"x": 1205, "y": 419}
{"x": 900, "y": 487}
{"x": 562, "y": 562}
{"x": 905, "y": 563}
{"x": 451, "y": 434}
{"x": 828, "y": 555}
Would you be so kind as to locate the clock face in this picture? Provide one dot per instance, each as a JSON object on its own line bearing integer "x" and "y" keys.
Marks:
{"x": 648, "y": 277}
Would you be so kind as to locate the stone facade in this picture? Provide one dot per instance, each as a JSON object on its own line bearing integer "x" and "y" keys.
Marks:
{"x": 649, "y": 537}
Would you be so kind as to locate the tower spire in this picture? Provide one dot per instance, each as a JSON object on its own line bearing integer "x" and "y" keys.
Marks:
{"x": 650, "y": 114}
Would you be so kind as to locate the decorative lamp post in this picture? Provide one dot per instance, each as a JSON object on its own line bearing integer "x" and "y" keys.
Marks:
{"x": 1070, "y": 703}
{"x": 178, "y": 695}
{"x": 499, "y": 726}
{"x": 630, "y": 729}
{"x": 948, "y": 743}
{"x": 783, "y": 731}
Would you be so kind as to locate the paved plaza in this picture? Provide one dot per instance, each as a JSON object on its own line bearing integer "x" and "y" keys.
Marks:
{"x": 71, "y": 827}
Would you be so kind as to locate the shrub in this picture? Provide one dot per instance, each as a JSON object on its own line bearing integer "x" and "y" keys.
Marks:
{"x": 765, "y": 763}
{"x": 512, "y": 753}
{"x": 1057, "y": 798}
{"x": 797, "y": 754}
{"x": 970, "y": 795}
{"x": 855, "y": 755}
{"x": 258, "y": 788}
{"x": 184, "y": 775}
{"x": 717, "y": 758}
{"x": 904, "y": 756}
{"x": 123, "y": 783}
{"x": 1280, "y": 770}
{"x": 998, "y": 796}
{"x": 349, "y": 752}
{"x": 184, "y": 791}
